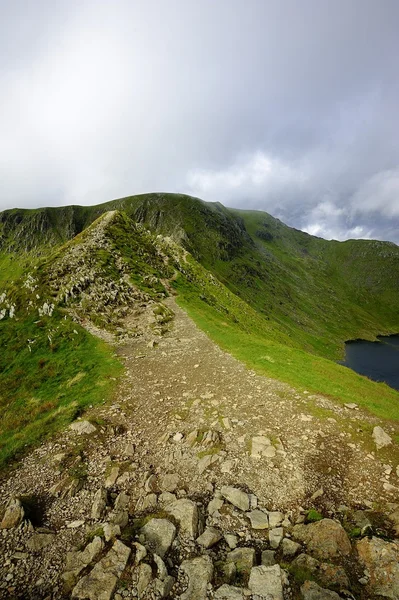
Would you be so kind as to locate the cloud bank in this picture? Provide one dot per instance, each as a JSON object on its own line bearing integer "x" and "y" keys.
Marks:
{"x": 277, "y": 105}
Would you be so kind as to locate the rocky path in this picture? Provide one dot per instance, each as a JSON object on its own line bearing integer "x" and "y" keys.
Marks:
{"x": 188, "y": 423}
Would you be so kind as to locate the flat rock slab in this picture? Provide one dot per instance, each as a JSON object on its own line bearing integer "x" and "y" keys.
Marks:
{"x": 100, "y": 583}
{"x": 210, "y": 537}
{"x": 38, "y": 541}
{"x": 236, "y": 497}
{"x": 229, "y": 592}
{"x": 199, "y": 572}
{"x": 266, "y": 582}
{"x": 381, "y": 438}
{"x": 259, "y": 519}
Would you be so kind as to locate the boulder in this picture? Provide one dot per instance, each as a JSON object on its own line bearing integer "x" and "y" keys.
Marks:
{"x": 381, "y": 438}
{"x": 311, "y": 591}
{"x": 199, "y": 572}
{"x": 325, "y": 539}
{"x": 381, "y": 559}
{"x": 159, "y": 533}
{"x": 266, "y": 582}
{"x": 14, "y": 514}
{"x": 268, "y": 558}
{"x": 262, "y": 446}
{"x": 83, "y": 427}
{"x": 77, "y": 561}
{"x": 333, "y": 576}
{"x": 210, "y": 537}
{"x": 186, "y": 514}
{"x": 236, "y": 497}
{"x": 100, "y": 583}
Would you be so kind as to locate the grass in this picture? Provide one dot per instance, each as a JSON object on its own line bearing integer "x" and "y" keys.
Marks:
{"x": 238, "y": 329}
{"x": 48, "y": 383}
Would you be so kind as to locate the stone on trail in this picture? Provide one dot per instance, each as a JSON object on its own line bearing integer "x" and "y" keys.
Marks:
{"x": 259, "y": 519}
{"x": 112, "y": 477}
{"x": 236, "y": 497}
{"x": 214, "y": 505}
{"x": 144, "y": 579}
{"x": 159, "y": 533}
{"x": 38, "y": 541}
{"x": 266, "y": 582}
{"x": 275, "y": 537}
{"x": 99, "y": 504}
{"x": 100, "y": 583}
{"x": 77, "y": 561}
{"x": 14, "y": 514}
{"x": 231, "y": 540}
{"x": 350, "y": 405}
{"x": 262, "y": 446}
{"x": 311, "y": 591}
{"x": 268, "y": 558}
{"x": 186, "y": 514}
{"x": 275, "y": 519}
{"x": 206, "y": 461}
{"x": 289, "y": 547}
{"x": 325, "y": 539}
{"x": 83, "y": 427}
{"x": 111, "y": 531}
{"x": 243, "y": 558}
{"x": 170, "y": 482}
{"x": 164, "y": 586}
{"x": 381, "y": 438}
{"x": 199, "y": 572}
{"x": 381, "y": 559}
{"x": 210, "y": 537}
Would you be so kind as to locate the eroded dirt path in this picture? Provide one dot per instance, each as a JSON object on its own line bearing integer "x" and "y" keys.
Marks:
{"x": 186, "y": 407}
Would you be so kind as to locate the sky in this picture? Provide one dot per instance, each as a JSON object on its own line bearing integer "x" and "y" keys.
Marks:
{"x": 285, "y": 106}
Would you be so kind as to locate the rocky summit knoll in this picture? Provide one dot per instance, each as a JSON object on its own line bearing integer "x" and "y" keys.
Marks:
{"x": 157, "y": 439}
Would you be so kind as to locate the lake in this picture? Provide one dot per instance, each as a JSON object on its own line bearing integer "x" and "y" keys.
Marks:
{"x": 377, "y": 360}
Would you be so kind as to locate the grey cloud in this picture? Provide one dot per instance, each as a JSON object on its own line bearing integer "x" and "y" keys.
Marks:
{"x": 285, "y": 106}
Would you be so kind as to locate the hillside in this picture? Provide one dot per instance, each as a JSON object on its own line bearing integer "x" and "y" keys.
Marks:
{"x": 247, "y": 438}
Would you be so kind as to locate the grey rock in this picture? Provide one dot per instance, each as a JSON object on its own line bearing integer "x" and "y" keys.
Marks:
{"x": 214, "y": 505}
{"x": 275, "y": 537}
{"x": 231, "y": 539}
{"x": 381, "y": 438}
{"x": 166, "y": 498}
{"x": 186, "y": 514}
{"x": 83, "y": 427}
{"x": 159, "y": 533}
{"x": 77, "y": 561}
{"x": 259, "y": 519}
{"x": 268, "y": 558}
{"x": 100, "y": 583}
{"x": 289, "y": 547}
{"x": 262, "y": 446}
{"x": 266, "y": 581}
{"x": 14, "y": 514}
{"x": 111, "y": 531}
{"x": 306, "y": 563}
{"x": 141, "y": 552}
{"x": 149, "y": 501}
{"x": 275, "y": 519}
{"x": 236, "y": 497}
{"x": 164, "y": 586}
{"x": 162, "y": 571}
{"x": 206, "y": 461}
{"x": 210, "y": 537}
{"x": 144, "y": 579}
{"x": 243, "y": 558}
{"x": 311, "y": 591}
{"x": 112, "y": 477}
{"x": 99, "y": 504}
{"x": 199, "y": 572}
{"x": 38, "y": 541}
{"x": 170, "y": 482}
{"x": 229, "y": 592}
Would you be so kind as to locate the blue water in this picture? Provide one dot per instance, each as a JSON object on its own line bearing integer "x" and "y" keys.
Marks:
{"x": 377, "y": 360}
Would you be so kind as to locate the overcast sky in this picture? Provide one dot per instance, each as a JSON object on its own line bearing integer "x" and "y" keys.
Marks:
{"x": 289, "y": 106}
